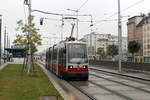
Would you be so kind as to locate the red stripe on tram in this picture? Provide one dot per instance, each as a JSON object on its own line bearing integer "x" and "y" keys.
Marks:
{"x": 72, "y": 69}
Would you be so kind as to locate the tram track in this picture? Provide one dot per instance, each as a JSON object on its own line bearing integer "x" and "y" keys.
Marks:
{"x": 112, "y": 91}
{"x": 76, "y": 87}
{"x": 120, "y": 94}
{"x": 140, "y": 89}
{"x": 125, "y": 76}
{"x": 124, "y": 79}
{"x": 83, "y": 91}
{"x": 101, "y": 87}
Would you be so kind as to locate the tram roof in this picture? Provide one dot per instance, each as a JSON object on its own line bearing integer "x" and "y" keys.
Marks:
{"x": 72, "y": 42}
{"x": 67, "y": 42}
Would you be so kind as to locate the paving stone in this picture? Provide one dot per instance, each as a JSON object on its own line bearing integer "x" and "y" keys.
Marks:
{"x": 146, "y": 88}
{"x": 108, "y": 97}
{"x": 82, "y": 83}
{"x": 48, "y": 98}
{"x": 136, "y": 84}
{"x": 95, "y": 90}
{"x": 106, "y": 83}
{"x": 137, "y": 95}
{"x": 119, "y": 88}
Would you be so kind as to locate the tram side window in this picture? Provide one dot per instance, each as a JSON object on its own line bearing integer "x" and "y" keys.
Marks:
{"x": 49, "y": 56}
{"x": 55, "y": 53}
{"x": 64, "y": 57}
{"x": 60, "y": 57}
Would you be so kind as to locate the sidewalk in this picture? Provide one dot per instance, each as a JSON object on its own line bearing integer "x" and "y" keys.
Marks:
{"x": 3, "y": 65}
{"x": 129, "y": 73}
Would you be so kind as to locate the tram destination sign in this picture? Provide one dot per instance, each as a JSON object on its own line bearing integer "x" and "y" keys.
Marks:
{"x": 75, "y": 46}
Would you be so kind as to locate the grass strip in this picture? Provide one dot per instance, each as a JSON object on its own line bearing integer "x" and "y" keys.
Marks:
{"x": 17, "y": 85}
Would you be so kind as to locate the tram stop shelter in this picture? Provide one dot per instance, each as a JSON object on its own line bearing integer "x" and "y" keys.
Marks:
{"x": 15, "y": 53}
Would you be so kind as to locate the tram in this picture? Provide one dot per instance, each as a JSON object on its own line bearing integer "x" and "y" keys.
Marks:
{"x": 68, "y": 60}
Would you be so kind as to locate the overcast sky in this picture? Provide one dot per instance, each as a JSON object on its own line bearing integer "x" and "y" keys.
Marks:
{"x": 13, "y": 10}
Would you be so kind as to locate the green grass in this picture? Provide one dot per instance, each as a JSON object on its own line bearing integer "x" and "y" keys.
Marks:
{"x": 15, "y": 85}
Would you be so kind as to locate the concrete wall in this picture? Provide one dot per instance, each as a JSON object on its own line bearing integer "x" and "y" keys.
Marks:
{"x": 18, "y": 60}
{"x": 129, "y": 65}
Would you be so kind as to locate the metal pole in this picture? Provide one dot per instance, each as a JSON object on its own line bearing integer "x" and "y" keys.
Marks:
{"x": 62, "y": 28}
{"x": 29, "y": 52}
{"x": 77, "y": 23}
{"x": 7, "y": 40}
{"x": 95, "y": 45}
{"x": 61, "y": 33}
{"x": 8, "y": 43}
{"x": 0, "y": 36}
{"x": 4, "y": 44}
{"x": 7, "y": 46}
{"x": 119, "y": 36}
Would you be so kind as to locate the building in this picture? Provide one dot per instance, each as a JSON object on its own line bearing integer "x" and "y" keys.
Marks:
{"x": 139, "y": 30}
{"x": 16, "y": 53}
{"x": 95, "y": 40}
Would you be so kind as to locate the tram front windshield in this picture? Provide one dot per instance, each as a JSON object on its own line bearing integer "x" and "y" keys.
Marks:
{"x": 77, "y": 54}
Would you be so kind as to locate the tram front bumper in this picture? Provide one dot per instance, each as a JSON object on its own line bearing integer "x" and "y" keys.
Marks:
{"x": 76, "y": 75}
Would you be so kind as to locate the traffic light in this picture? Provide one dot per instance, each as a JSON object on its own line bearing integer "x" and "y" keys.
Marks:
{"x": 41, "y": 21}
{"x": 26, "y": 2}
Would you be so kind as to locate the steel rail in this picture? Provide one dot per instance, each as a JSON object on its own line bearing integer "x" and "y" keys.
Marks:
{"x": 79, "y": 89}
{"x": 82, "y": 91}
{"x": 121, "y": 83}
{"x": 112, "y": 91}
{"x": 124, "y": 75}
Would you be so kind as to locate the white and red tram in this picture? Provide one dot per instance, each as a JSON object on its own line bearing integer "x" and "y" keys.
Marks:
{"x": 68, "y": 60}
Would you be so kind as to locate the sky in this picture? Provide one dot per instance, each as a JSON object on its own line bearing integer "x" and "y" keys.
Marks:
{"x": 103, "y": 13}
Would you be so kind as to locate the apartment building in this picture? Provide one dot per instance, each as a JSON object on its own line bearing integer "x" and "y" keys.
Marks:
{"x": 146, "y": 38}
{"x": 95, "y": 40}
{"x": 139, "y": 30}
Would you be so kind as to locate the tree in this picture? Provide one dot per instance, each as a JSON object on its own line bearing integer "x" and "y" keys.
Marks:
{"x": 22, "y": 36}
{"x": 28, "y": 33}
{"x": 101, "y": 52}
{"x": 112, "y": 50}
{"x": 133, "y": 47}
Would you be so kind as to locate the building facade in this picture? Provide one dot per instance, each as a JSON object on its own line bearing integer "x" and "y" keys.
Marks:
{"x": 146, "y": 39}
{"x": 139, "y": 30}
{"x": 95, "y": 40}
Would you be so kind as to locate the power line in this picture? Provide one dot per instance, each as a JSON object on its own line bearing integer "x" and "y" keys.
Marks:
{"x": 133, "y": 5}
{"x": 82, "y": 5}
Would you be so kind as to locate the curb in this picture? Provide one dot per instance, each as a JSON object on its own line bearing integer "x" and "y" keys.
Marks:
{"x": 3, "y": 65}
{"x": 56, "y": 85}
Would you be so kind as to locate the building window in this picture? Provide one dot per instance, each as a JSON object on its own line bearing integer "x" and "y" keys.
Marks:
{"x": 144, "y": 52}
{"x": 148, "y": 46}
{"x": 148, "y": 52}
{"x": 144, "y": 29}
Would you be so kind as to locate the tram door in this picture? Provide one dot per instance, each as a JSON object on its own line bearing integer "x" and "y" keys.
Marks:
{"x": 54, "y": 59}
{"x": 62, "y": 57}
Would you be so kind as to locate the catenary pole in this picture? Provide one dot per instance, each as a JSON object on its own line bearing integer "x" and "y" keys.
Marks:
{"x": 29, "y": 51}
{"x": 77, "y": 11}
{"x": 4, "y": 44}
{"x": 7, "y": 46}
{"x": 0, "y": 36}
{"x": 119, "y": 36}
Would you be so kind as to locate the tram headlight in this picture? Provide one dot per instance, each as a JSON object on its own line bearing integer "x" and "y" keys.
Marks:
{"x": 70, "y": 66}
{"x": 85, "y": 66}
